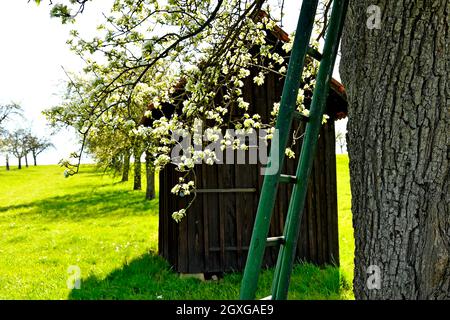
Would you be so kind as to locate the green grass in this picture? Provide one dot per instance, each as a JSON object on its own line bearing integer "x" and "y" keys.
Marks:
{"x": 49, "y": 223}
{"x": 346, "y": 239}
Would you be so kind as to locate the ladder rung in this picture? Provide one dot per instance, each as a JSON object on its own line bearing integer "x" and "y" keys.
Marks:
{"x": 275, "y": 241}
{"x": 300, "y": 116}
{"x": 284, "y": 178}
{"x": 267, "y": 298}
{"x": 314, "y": 54}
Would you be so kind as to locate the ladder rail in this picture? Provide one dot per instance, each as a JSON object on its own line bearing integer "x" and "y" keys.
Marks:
{"x": 283, "y": 125}
{"x": 288, "y": 242}
{"x": 286, "y": 256}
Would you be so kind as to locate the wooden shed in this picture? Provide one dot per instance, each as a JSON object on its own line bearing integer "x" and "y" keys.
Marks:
{"x": 215, "y": 234}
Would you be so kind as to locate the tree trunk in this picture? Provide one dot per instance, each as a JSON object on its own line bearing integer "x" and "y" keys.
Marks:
{"x": 398, "y": 86}
{"x": 7, "y": 162}
{"x": 35, "y": 159}
{"x": 126, "y": 166}
{"x": 26, "y": 161}
{"x": 20, "y": 163}
{"x": 150, "y": 173}
{"x": 137, "y": 169}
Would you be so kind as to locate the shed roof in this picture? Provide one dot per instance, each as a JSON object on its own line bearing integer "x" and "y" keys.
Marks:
{"x": 337, "y": 95}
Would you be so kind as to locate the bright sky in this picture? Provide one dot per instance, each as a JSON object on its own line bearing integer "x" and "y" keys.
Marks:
{"x": 33, "y": 52}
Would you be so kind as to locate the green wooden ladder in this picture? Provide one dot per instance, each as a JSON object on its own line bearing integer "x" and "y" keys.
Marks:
{"x": 288, "y": 242}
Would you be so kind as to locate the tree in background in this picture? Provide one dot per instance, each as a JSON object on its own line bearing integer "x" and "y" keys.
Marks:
{"x": 26, "y": 139}
{"x": 395, "y": 67}
{"x": 137, "y": 154}
{"x": 16, "y": 146}
{"x": 37, "y": 145}
{"x": 150, "y": 175}
{"x": 7, "y": 162}
{"x": 111, "y": 148}
{"x": 4, "y": 149}
{"x": 111, "y": 138}
{"x": 126, "y": 164}
{"x": 20, "y": 143}
{"x": 340, "y": 139}
{"x": 7, "y": 111}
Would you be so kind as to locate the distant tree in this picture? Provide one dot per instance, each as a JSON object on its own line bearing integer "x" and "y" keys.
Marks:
{"x": 4, "y": 149}
{"x": 150, "y": 173}
{"x": 137, "y": 153}
{"x": 340, "y": 139}
{"x": 26, "y": 146}
{"x": 15, "y": 145}
{"x": 126, "y": 165}
{"x": 113, "y": 137}
{"x": 7, "y": 111}
{"x": 37, "y": 145}
{"x": 7, "y": 162}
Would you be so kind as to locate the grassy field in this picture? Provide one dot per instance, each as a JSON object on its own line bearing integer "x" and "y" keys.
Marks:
{"x": 346, "y": 240}
{"x": 49, "y": 223}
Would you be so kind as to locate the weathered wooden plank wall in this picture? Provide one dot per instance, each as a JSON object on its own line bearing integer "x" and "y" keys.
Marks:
{"x": 216, "y": 232}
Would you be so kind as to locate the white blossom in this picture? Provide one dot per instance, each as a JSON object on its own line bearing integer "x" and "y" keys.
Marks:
{"x": 179, "y": 215}
{"x": 290, "y": 153}
{"x": 259, "y": 79}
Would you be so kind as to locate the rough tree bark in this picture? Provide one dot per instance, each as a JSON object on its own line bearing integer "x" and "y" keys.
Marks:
{"x": 7, "y": 162}
{"x": 35, "y": 159}
{"x": 397, "y": 80}
{"x": 126, "y": 165}
{"x": 150, "y": 175}
{"x": 26, "y": 161}
{"x": 137, "y": 185}
{"x": 19, "y": 166}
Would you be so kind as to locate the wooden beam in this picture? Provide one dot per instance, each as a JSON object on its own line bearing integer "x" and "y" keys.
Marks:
{"x": 229, "y": 190}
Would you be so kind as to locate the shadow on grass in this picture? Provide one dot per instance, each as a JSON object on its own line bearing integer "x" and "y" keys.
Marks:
{"x": 88, "y": 205}
{"x": 147, "y": 277}
{"x": 150, "y": 277}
